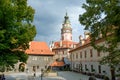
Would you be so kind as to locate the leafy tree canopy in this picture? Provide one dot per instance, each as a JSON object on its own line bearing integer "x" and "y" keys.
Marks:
{"x": 102, "y": 19}
{"x": 16, "y": 30}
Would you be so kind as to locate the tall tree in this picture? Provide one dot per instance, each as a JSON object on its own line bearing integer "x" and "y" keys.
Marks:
{"x": 16, "y": 30}
{"x": 102, "y": 19}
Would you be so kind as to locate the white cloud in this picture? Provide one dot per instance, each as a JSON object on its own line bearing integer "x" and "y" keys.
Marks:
{"x": 74, "y": 13}
{"x": 49, "y": 18}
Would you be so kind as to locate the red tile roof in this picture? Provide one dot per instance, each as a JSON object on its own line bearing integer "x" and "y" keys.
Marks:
{"x": 87, "y": 43}
{"x": 39, "y": 48}
{"x": 57, "y": 63}
{"x": 64, "y": 44}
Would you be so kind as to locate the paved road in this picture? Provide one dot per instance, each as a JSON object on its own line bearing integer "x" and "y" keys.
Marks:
{"x": 46, "y": 78}
{"x": 73, "y": 75}
{"x": 25, "y": 76}
{"x": 63, "y": 75}
{"x": 16, "y": 76}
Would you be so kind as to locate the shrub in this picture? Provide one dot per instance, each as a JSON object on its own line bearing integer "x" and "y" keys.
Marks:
{"x": 92, "y": 78}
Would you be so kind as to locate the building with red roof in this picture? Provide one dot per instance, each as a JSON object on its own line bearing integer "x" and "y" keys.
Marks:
{"x": 57, "y": 64}
{"x": 61, "y": 48}
{"x": 40, "y": 55}
{"x": 86, "y": 59}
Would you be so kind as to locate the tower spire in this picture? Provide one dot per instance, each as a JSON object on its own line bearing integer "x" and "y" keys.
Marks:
{"x": 66, "y": 13}
{"x": 66, "y": 31}
{"x": 66, "y": 18}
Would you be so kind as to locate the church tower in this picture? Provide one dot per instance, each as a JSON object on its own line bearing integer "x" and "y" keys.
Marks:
{"x": 66, "y": 31}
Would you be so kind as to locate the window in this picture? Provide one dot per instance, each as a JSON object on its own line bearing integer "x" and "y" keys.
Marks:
{"x": 56, "y": 52}
{"x": 34, "y": 68}
{"x": 76, "y": 65}
{"x": 73, "y": 56}
{"x": 81, "y": 68}
{"x": 76, "y": 55}
{"x": 80, "y": 54}
{"x": 73, "y": 65}
{"x": 70, "y": 56}
{"x": 99, "y": 68}
{"x": 86, "y": 67}
{"x": 63, "y": 52}
{"x": 92, "y": 68}
{"x": 45, "y": 58}
{"x": 85, "y": 54}
{"x": 91, "y": 53}
{"x": 37, "y": 67}
{"x": 34, "y": 58}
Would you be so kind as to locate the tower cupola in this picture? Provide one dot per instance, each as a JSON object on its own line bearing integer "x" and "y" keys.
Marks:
{"x": 66, "y": 31}
{"x": 66, "y": 23}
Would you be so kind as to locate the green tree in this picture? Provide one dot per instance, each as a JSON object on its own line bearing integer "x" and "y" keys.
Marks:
{"x": 102, "y": 19}
{"x": 16, "y": 31}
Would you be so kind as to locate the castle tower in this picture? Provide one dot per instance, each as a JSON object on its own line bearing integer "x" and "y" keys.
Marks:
{"x": 66, "y": 31}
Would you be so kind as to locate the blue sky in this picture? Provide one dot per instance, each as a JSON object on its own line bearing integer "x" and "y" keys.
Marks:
{"x": 49, "y": 17}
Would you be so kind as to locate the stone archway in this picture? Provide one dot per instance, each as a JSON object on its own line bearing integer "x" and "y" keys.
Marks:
{"x": 21, "y": 67}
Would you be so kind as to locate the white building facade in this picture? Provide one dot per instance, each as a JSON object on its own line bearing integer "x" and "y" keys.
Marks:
{"x": 85, "y": 59}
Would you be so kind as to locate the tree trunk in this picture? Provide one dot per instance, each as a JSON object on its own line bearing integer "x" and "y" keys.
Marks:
{"x": 113, "y": 73}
